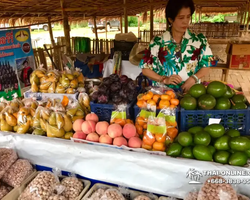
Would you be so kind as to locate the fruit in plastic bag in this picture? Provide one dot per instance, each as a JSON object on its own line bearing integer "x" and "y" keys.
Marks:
{"x": 52, "y": 119}
{"x": 52, "y": 88}
{"x": 74, "y": 84}
{"x": 59, "y": 120}
{"x": 53, "y": 131}
{"x": 67, "y": 123}
{"x": 68, "y": 135}
{"x": 10, "y": 119}
{"x": 70, "y": 91}
{"x": 23, "y": 128}
{"x": 43, "y": 124}
{"x": 45, "y": 86}
{"x": 60, "y": 89}
{"x": 5, "y": 126}
{"x": 45, "y": 114}
{"x": 34, "y": 87}
{"x": 80, "y": 78}
{"x": 65, "y": 81}
{"x": 72, "y": 111}
{"x": 38, "y": 131}
{"x": 34, "y": 79}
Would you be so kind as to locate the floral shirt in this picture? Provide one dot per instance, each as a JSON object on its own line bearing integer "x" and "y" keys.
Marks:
{"x": 165, "y": 57}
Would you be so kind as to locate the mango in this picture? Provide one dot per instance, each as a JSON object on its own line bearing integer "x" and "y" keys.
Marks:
{"x": 5, "y": 126}
{"x": 10, "y": 119}
{"x": 67, "y": 123}
{"x": 52, "y": 119}
{"x": 23, "y": 128}
{"x": 59, "y": 120}
{"x": 53, "y": 131}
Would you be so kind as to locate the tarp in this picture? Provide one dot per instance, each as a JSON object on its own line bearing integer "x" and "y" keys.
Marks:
{"x": 153, "y": 173}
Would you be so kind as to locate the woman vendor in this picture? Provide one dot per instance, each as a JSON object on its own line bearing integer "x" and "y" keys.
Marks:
{"x": 178, "y": 58}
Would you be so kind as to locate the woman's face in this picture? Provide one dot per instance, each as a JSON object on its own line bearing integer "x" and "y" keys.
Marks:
{"x": 182, "y": 20}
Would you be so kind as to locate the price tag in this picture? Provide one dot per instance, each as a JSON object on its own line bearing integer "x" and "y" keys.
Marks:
{"x": 213, "y": 121}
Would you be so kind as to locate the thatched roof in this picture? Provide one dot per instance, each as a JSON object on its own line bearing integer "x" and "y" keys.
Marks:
{"x": 213, "y": 10}
{"x": 33, "y": 11}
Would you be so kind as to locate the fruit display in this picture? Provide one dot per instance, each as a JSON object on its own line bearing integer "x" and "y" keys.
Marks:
{"x": 216, "y": 96}
{"x": 52, "y": 81}
{"x": 115, "y": 90}
{"x": 163, "y": 99}
{"x": 102, "y": 132}
{"x": 212, "y": 143}
{"x": 57, "y": 117}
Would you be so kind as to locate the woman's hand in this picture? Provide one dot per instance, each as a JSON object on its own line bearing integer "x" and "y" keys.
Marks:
{"x": 188, "y": 84}
{"x": 173, "y": 80}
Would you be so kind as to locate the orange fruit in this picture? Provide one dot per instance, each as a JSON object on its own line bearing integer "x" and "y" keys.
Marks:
{"x": 148, "y": 95}
{"x": 139, "y": 129}
{"x": 148, "y": 139}
{"x": 156, "y": 98}
{"x": 112, "y": 121}
{"x": 165, "y": 97}
{"x": 158, "y": 146}
{"x": 164, "y": 104}
{"x": 122, "y": 122}
{"x": 129, "y": 121}
{"x": 141, "y": 103}
{"x": 144, "y": 132}
{"x": 175, "y": 102}
{"x": 160, "y": 138}
{"x": 145, "y": 126}
{"x": 172, "y": 106}
{"x": 140, "y": 121}
{"x": 171, "y": 124}
{"x": 171, "y": 94}
{"x": 172, "y": 132}
{"x": 151, "y": 102}
{"x": 146, "y": 146}
{"x": 140, "y": 97}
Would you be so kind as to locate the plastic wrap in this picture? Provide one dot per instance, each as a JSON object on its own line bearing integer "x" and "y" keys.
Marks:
{"x": 192, "y": 195}
{"x": 142, "y": 197}
{"x": 97, "y": 195}
{"x": 73, "y": 187}
{"x": 75, "y": 111}
{"x": 41, "y": 188}
{"x": 112, "y": 194}
{"x": 216, "y": 188}
{"x": 7, "y": 158}
{"x": 4, "y": 190}
{"x": 242, "y": 197}
{"x": 17, "y": 173}
{"x": 119, "y": 116}
{"x": 155, "y": 137}
{"x": 84, "y": 101}
{"x": 57, "y": 197}
{"x": 9, "y": 118}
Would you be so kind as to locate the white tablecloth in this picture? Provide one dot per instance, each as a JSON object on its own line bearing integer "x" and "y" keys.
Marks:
{"x": 157, "y": 174}
{"x": 128, "y": 69}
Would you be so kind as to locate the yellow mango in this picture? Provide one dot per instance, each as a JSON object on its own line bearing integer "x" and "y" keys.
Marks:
{"x": 45, "y": 86}
{"x": 68, "y": 135}
{"x": 59, "y": 120}
{"x": 68, "y": 125}
{"x": 34, "y": 87}
{"x": 5, "y": 126}
{"x": 53, "y": 131}
{"x": 43, "y": 124}
{"x": 23, "y": 128}
{"x": 10, "y": 119}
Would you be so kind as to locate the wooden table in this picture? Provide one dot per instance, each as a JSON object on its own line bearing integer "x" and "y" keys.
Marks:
{"x": 225, "y": 71}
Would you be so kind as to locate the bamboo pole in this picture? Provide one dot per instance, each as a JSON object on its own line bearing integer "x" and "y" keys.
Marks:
{"x": 51, "y": 32}
{"x": 151, "y": 22}
{"x": 200, "y": 15}
{"x": 139, "y": 23}
{"x": 121, "y": 29}
{"x": 125, "y": 17}
{"x": 96, "y": 35}
{"x": 66, "y": 28}
{"x": 106, "y": 31}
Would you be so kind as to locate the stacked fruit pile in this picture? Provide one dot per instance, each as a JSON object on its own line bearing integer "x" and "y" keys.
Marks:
{"x": 115, "y": 90}
{"x": 102, "y": 132}
{"x": 217, "y": 96}
{"x": 212, "y": 143}
{"x": 54, "y": 82}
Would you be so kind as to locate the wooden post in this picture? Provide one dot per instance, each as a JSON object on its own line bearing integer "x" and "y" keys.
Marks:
{"x": 139, "y": 23}
{"x": 121, "y": 28}
{"x": 66, "y": 28}
{"x": 200, "y": 16}
{"x": 195, "y": 15}
{"x": 51, "y": 32}
{"x": 125, "y": 17}
{"x": 96, "y": 35}
{"x": 106, "y": 30}
{"x": 151, "y": 22}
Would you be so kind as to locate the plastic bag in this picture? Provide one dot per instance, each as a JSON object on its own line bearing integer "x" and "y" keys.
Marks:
{"x": 217, "y": 187}
{"x": 142, "y": 197}
{"x": 8, "y": 118}
{"x": 73, "y": 187}
{"x": 24, "y": 120}
{"x": 84, "y": 101}
{"x": 242, "y": 197}
{"x": 42, "y": 187}
{"x": 141, "y": 122}
{"x": 119, "y": 116}
{"x": 7, "y": 158}
{"x": 4, "y": 190}
{"x": 74, "y": 110}
{"x": 169, "y": 114}
{"x": 57, "y": 197}
{"x": 37, "y": 77}
{"x": 97, "y": 195}
{"x": 112, "y": 194}
{"x": 191, "y": 196}
{"x": 30, "y": 102}
{"x": 17, "y": 173}
{"x": 155, "y": 137}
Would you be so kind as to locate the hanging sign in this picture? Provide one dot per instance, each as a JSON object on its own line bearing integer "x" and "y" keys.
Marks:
{"x": 16, "y": 61}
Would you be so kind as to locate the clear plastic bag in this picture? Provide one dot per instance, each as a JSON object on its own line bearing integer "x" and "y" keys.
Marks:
{"x": 4, "y": 190}
{"x": 73, "y": 187}
{"x": 9, "y": 118}
{"x": 217, "y": 188}
{"x": 155, "y": 137}
{"x": 242, "y": 197}
{"x": 17, "y": 173}
{"x": 7, "y": 158}
{"x": 119, "y": 116}
{"x": 112, "y": 194}
{"x": 84, "y": 101}
{"x": 142, "y": 197}
{"x": 30, "y": 102}
{"x": 41, "y": 188}
{"x": 57, "y": 197}
{"x": 74, "y": 110}
{"x": 97, "y": 195}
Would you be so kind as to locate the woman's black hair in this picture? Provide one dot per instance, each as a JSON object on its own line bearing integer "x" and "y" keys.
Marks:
{"x": 26, "y": 61}
{"x": 174, "y": 6}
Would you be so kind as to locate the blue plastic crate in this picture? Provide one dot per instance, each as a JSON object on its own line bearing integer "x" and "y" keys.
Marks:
{"x": 230, "y": 119}
{"x": 104, "y": 111}
{"x": 137, "y": 110}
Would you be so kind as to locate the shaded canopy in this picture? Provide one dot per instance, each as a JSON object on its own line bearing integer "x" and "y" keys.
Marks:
{"x": 33, "y": 11}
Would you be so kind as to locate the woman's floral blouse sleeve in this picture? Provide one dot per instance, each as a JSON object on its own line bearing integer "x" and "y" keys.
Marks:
{"x": 150, "y": 59}
{"x": 206, "y": 56}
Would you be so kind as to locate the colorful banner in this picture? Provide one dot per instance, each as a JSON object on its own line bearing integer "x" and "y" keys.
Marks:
{"x": 16, "y": 61}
